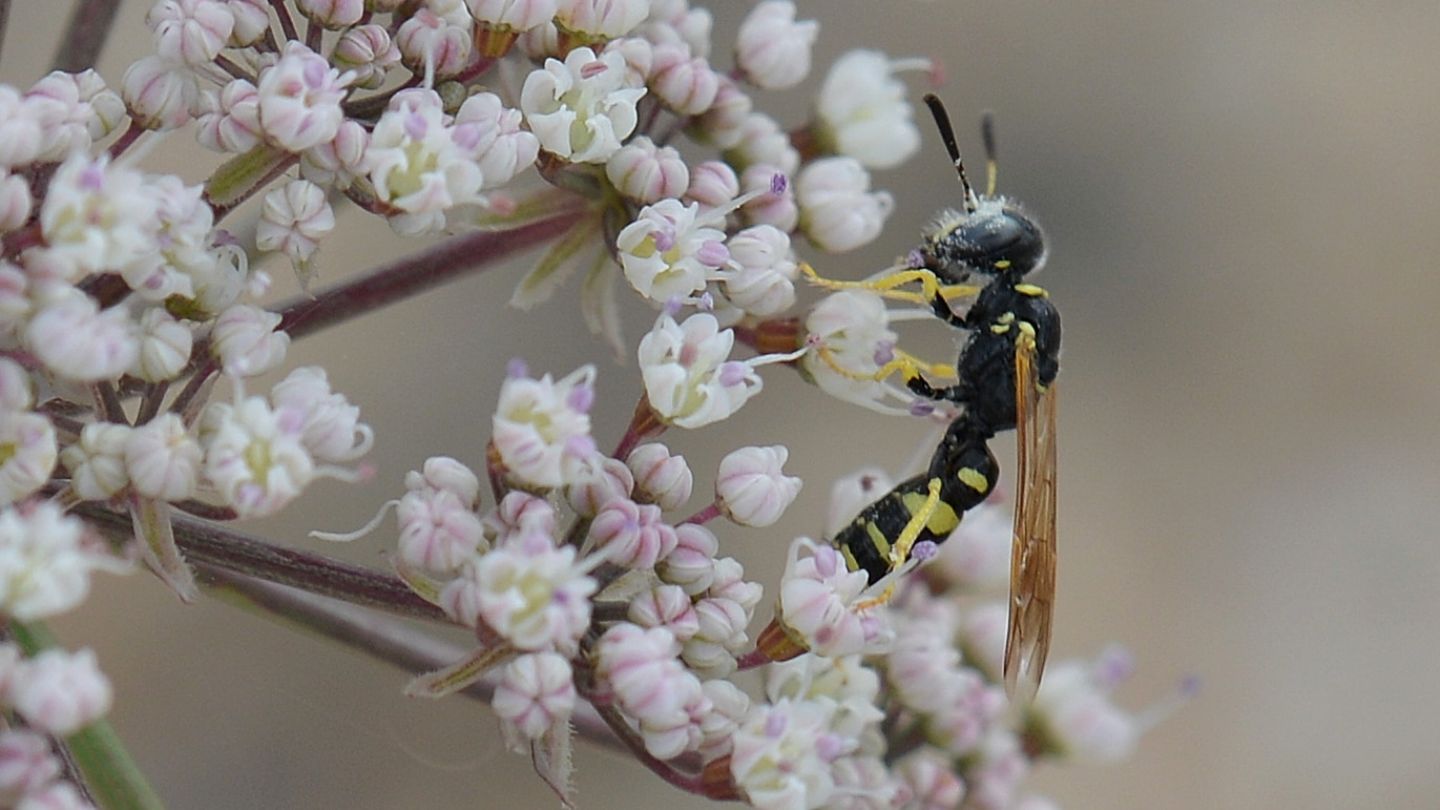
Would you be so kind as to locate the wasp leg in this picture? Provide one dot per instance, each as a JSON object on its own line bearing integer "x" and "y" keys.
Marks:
{"x": 907, "y": 365}
{"x": 940, "y": 305}
{"x": 886, "y": 285}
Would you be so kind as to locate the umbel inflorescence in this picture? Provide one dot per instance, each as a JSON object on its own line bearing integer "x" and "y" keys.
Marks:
{"x": 134, "y": 335}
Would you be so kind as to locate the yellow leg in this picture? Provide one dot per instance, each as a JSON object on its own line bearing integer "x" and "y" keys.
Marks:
{"x": 886, "y": 285}
{"x": 907, "y": 365}
{"x": 900, "y": 549}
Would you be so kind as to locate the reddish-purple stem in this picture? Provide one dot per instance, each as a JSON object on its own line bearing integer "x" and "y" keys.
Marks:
{"x": 85, "y": 35}
{"x": 705, "y": 515}
{"x": 632, "y": 741}
{"x": 287, "y": 25}
{"x": 126, "y": 139}
{"x": 415, "y": 274}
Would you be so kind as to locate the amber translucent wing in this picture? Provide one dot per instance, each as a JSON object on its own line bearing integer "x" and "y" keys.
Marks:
{"x": 1032, "y": 553}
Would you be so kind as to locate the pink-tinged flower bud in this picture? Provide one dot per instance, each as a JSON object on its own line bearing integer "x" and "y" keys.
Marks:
{"x": 719, "y": 637}
{"x": 713, "y": 184}
{"x": 252, "y": 20}
{"x": 930, "y": 779}
{"x": 300, "y": 98}
{"x": 368, "y": 51}
{"x": 74, "y": 339}
{"x": 438, "y": 530}
{"x": 443, "y": 472}
{"x": 432, "y": 45}
{"x": 763, "y": 283}
{"x": 26, "y": 765}
{"x": 520, "y": 512}
{"x": 683, "y": 83}
{"x": 337, "y": 162}
{"x": 595, "y": 20}
{"x": 332, "y": 14}
{"x": 632, "y": 535}
{"x": 162, "y": 459}
{"x": 536, "y": 693}
{"x": 838, "y": 212}
{"x": 74, "y": 110}
{"x": 60, "y": 692}
{"x": 691, "y": 565}
{"x": 660, "y": 478}
{"x": 190, "y": 31}
{"x": 665, "y": 606}
{"x": 772, "y": 48}
{"x": 638, "y": 667}
{"x": 769, "y": 208}
{"x": 232, "y": 123}
{"x": 97, "y": 461}
{"x": 750, "y": 487}
{"x": 293, "y": 219}
{"x": 159, "y": 94}
{"x": 729, "y": 583}
{"x": 165, "y": 346}
{"x": 605, "y": 481}
{"x": 245, "y": 341}
{"x": 21, "y": 136}
{"x": 541, "y": 42}
{"x": 28, "y": 452}
{"x": 638, "y": 55}
{"x": 864, "y": 112}
{"x": 15, "y": 202}
{"x": 15, "y": 389}
{"x": 332, "y": 430}
{"x": 646, "y": 173}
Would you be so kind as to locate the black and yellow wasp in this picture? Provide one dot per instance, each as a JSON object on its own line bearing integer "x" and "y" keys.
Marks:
{"x": 1006, "y": 375}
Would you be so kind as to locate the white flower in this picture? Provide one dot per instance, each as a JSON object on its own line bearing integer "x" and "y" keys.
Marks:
{"x": 534, "y": 594}
{"x": 28, "y": 452}
{"x": 751, "y": 490}
{"x": 536, "y": 693}
{"x": 74, "y": 339}
{"x": 838, "y": 212}
{"x": 518, "y": 15}
{"x": 26, "y": 765}
{"x": 332, "y": 428}
{"x": 820, "y": 601}
{"x": 15, "y": 202}
{"x": 931, "y": 780}
{"x": 763, "y": 281}
{"x": 541, "y": 428}
{"x": 760, "y": 139}
{"x": 162, "y": 459}
{"x": 55, "y": 796}
{"x": 60, "y": 692}
{"x": 772, "y": 48}
{"x": 689, "y": 378}
{"x": 729, "y": 707}
{"x": 245, "y": 341}
{"x": 97, "y": 461}
{"x": 670, "y": 249}
{"x": 492, "y": 135}
{"x": 333, "y": 14}
{"x": 647, "y": 173}
{"x": 97, "y": 216}
{"x": 580, "y": 109}
{"x": 1074, "y": 712}
{"x": 21, "y": 138}
{"x": 46, "y": 557}
{"x": 300, "y": 95}
{"x": 190, "y": 31}
{"x": 780, "y": 755}
{"x": 255, "y": 456}
{"x": 850, "y": 336}
{"x": 864, "y": 111}
{"x": 165, "y": 346}
{"x": 180, "y": 243}
{"x": 293, "y": 220}
{"x": 417, "y": 166}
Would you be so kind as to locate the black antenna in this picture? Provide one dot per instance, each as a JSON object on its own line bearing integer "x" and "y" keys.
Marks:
{"x": 947, "y": 135}
{"x": 992, "y": 163}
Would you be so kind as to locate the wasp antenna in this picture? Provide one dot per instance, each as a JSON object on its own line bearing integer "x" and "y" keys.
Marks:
{"x": 947, "y": 135}
{"x": 992, "y": 163}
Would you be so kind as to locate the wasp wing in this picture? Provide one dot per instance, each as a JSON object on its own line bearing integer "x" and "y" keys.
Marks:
{"x": 1032, "y": 552}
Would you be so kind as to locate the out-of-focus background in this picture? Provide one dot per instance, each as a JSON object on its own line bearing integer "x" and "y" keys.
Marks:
{"x": 1241, "y": 201}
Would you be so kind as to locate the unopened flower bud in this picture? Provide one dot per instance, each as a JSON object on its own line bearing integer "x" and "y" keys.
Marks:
{"x": 773, "y": 208}
{"x": 15, "y": 202}
{"x": 632, "y": 535}
{"x": 245, "y": 340}
{"x": 159, "y": 94}
{"x": 332, "y": 14}
{"x": 683, "y": 83}
{"x": 165, "y": 345}
{"x": 665, "y": 606}
{"x": 772, "y": 48}
{"x": 26, "y": 765}
{"x": 606, "y": 481}
{"x": 646, "y": 173}
{"x": 838, "y": 212}
{"x": 535, "y": 694}
{"x": 750, "y": 487}
{"x": 190, "y": 31}
{"x": 293, "y": 219}
{"x": 97, "y": 461}
{"x": 60, "y": 692}
{"x": 162, "y": 459}
{"x": 369, "y": 52}
{"x": 713, "y": 184}
{"x": 660, "y": 478}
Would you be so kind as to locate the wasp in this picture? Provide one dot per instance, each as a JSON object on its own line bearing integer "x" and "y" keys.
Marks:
{"x": 1006, "y": 381}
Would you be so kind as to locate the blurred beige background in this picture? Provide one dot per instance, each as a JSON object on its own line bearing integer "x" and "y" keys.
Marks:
{"x": 1241, "y": 199}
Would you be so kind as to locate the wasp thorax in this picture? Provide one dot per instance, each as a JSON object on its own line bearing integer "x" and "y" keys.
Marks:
{"x": 992, "y": 239}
